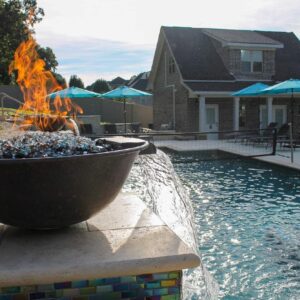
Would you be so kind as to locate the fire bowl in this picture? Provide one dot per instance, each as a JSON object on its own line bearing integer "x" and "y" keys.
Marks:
{"x": 49, "y": 193}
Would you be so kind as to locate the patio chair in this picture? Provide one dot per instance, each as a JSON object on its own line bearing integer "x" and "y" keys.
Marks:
{"x": 265, "y": 136}
{"x": 242, "y": 136}
{"x": 283, "y": 133}
{"x": 283, "y": 137}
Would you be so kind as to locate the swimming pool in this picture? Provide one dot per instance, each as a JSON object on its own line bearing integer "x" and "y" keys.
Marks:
{"x": 248, "y": 223}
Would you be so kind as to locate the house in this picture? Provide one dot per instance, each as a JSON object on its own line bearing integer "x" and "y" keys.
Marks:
{"x": 196, "y": 70}
{"x": 140, "y": 82}
{"x": 116, "y": 82}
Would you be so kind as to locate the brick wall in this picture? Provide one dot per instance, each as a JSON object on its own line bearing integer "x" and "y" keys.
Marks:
{"x": 163, "y": 96}
{"x": 232, "y": 61}
{"x": 268, "y": 66}
{"x": 269, "y": 63}
{"x": 252, "y": 111}
{"x": 286, "y": 101}
{"x": 193, "y": 114}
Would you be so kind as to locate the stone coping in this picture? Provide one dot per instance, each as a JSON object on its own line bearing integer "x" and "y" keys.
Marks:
{"x": 125, "y": 238}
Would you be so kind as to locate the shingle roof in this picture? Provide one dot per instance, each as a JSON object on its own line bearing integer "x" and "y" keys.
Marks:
{"x": 240, "y": 36}
{"x": 140, "y": 82}
{"x": 287, "y": 59}
{"x": 195, "y": 54}
{"x": 197, "y": 57}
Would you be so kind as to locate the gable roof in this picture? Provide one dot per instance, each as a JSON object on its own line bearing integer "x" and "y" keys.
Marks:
{"x": 288, "y": 58}
{"x": 231, "y": 37}
{"x": 140, "y": 82}
{"x": 202, "y": 68}
{"x": 195, "y": 54}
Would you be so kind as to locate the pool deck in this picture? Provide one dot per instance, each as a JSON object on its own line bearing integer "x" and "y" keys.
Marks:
{"x": 282, "y": 157}
{"x": 125, "y": 238}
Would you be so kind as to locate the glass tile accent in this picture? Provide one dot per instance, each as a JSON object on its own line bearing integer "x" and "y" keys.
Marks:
{"x": 160, "y": 286}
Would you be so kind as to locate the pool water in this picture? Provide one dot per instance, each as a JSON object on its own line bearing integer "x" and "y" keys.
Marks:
{"x": 248, "y": 223}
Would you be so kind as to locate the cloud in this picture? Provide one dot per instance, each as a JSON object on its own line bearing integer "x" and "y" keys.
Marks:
{"x": 113, "y": 37}
{"x": 91, "y": 58}
{"x": 138, "y": 21}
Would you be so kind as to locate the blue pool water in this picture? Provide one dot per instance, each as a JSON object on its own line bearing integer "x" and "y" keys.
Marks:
{"x": 248, "y": 223}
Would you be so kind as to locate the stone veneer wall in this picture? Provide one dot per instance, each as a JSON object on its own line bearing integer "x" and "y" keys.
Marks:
{"x": 163, "y": 96}
{"x": 231, "y": 58}
{"x": 252, "y": 111}
{"x": 160, "y": 286}
{"x": 192, "y": 121}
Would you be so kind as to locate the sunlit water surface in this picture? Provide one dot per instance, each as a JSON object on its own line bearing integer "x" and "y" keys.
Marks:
{"x": 248, "y": 223}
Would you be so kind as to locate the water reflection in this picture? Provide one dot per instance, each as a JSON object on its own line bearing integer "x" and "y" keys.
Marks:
{"x": 247, "y": 219}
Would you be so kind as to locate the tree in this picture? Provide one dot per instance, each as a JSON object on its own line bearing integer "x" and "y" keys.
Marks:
{"x": 14, "y": 29}
{"x": 99, "y": 86}
{"x": 51, "y": 64}
{"x": 75, "y": 81}
{"x": 49, "y": 57}
{"x": 60, "y": 80}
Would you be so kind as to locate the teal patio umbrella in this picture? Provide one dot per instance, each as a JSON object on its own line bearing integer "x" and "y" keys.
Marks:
{"x": 124, "y": 92}
{"x": 288, "y": 87}
{"x": 252, "y": 90}
{"x": 74, "y": 92}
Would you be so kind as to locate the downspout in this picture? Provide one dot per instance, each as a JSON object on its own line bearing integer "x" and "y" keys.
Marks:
{"x": 173, "y": 94}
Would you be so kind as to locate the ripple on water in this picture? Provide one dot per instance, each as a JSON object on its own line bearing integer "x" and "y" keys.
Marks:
{"x": 247, "y": 219}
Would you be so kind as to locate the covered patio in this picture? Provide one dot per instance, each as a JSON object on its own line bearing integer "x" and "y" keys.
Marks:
{"x": 246, "y": 109}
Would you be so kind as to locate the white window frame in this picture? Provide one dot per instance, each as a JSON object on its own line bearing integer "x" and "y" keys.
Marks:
{"x": 274, "y": 107}
{"x": 252, "y": 60}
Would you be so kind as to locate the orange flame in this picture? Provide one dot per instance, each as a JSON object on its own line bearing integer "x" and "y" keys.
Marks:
{"x": 36, "y": 83}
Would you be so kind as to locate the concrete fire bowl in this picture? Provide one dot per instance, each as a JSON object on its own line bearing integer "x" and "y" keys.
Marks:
{"x": 48, "y": 193}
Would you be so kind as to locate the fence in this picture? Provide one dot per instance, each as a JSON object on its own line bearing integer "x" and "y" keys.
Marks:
{"x": 247, "y": 143}
{"x": 288, "y": 146}
{"x": 113, "y": 111}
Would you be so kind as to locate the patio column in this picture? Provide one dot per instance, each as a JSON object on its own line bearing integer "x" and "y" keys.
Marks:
{"x": 269, "y": 110}
{"x": 202, "y": 114}
{"x": 236, "y": 113}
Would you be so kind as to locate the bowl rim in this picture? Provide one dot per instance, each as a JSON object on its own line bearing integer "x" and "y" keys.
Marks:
{"x": 142, "y": 145}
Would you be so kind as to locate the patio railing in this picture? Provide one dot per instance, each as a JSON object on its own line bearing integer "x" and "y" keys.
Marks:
{"x": 247, "y": 143}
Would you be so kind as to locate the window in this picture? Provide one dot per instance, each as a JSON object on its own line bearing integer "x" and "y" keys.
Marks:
{"x": 171, "y": 65}
{"x": 251, "y": 61}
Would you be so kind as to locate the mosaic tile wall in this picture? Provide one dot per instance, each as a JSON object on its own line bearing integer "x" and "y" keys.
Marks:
{"x": 160, "y": 286}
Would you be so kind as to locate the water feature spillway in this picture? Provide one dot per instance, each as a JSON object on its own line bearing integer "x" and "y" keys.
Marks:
{"x": 153, "y": 178}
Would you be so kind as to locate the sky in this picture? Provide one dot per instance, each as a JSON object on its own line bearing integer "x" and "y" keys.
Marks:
{"x": 108, "y": 38}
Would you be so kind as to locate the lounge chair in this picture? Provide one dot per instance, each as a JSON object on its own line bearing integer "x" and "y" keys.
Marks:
{"x": 265, "y": 136}
{"x": 283, "y": 133}
{"x": 283, "y": 137}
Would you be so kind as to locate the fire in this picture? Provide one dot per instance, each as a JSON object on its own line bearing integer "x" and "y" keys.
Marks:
{"x": 36, "y": 83}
